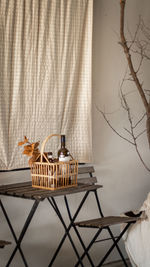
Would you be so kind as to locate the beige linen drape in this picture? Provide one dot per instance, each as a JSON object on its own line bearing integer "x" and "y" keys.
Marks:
{"x": 45, "y": 76}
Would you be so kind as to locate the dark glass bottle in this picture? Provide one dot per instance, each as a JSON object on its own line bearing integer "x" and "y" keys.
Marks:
{"x": 63, "y": 152}
{"x": 50, "y": 157}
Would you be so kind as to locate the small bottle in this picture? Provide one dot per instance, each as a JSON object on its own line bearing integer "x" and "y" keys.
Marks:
{"x": 63, "y": 152}
{"x": 64, "y": 157}
{"x": 50, "y": 157}
{"x": 51, "y": 169}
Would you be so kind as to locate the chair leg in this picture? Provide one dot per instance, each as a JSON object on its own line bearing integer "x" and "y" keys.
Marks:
{"x": 113, "y": 246}
{"x": 117, "y": 247}
{"x": 89, "y": 246}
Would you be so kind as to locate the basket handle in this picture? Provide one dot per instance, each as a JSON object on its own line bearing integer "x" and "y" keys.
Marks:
{"x": 45, "y": 141}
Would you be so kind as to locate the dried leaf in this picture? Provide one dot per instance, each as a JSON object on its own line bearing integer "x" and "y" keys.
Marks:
{"x": 32, "y": 145}
{"x": 36, "y": 152}
{"x": 28, "y": 153}
{"x": 28, "y": 147}
{"x": 34, "y": 158}
{"x": 26, "y": 139}
{"x": 23, "y": 142}
{"x": 31, "y": 150}
{"x": 36, "y": 145}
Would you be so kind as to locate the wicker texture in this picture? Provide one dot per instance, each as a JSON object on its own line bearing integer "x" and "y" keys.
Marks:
{"x": 55, "y": 175}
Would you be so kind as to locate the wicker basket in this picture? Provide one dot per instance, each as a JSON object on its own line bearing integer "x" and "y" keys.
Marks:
{"x": 53, "y": 176}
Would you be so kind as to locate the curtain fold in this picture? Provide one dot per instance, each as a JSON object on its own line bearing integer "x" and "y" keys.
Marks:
{"x": 45, "y": 76}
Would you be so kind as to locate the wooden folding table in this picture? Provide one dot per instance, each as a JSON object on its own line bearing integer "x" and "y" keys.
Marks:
{"x": 25, "y": 191}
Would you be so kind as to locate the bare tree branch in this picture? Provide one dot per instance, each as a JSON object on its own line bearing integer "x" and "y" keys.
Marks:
{"x": 128, "y": 131}
{"x": 132, "y": 69}
{"x": 106, "y": 119}
{"x": 128, "y": 56}
{"x": 139, "y": 121}
{"x": 131, "y": 132}
{"x": 141, "y": 48}
{"x": 146, "y": 167}
{"x": 140, "y": 134}
{"x": 135, "y": 34}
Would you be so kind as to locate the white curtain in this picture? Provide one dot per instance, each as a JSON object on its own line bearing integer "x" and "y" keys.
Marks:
{"x": 45, "y": 76}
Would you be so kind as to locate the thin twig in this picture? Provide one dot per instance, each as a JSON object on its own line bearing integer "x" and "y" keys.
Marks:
{"x": 128, "y": 56}
{"x": 132, "y": 131}
{"x": 136, "y": 32}
{"x": 128, "y": 131}
{"x": 148, "y": 169}
{"x": 104, "y": 116}
{"x": 139, "y": 121}
{"x": 140, "y": 134}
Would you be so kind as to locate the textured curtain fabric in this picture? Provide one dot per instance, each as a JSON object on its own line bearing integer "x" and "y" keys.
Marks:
{"x": 45, "y": 76}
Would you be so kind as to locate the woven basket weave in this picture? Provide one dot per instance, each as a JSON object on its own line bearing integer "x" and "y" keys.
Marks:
{"x": 56, "y": 175}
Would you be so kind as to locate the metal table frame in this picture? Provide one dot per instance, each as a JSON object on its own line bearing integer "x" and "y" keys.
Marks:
{"x": 26, "y": 191}
{"x": 100, "y": 226}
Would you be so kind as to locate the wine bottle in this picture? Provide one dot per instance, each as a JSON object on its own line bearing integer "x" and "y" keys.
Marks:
{"x": 63, "y": 152}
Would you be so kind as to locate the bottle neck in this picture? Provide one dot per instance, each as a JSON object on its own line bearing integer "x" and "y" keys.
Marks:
{"x": 62, "y": 141}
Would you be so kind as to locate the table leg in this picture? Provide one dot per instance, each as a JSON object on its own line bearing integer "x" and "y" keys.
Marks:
{"x": 12, "y": 231}
{"x": 77, "y": 233}
{"x": 67, "y": 229}
{"x": 25, "y": 227}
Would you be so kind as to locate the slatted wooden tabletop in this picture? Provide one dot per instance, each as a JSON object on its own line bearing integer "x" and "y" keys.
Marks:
{"x": 25, "y": 189}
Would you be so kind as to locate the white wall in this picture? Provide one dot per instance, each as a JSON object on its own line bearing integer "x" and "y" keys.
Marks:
{"x": 126, "y": 182}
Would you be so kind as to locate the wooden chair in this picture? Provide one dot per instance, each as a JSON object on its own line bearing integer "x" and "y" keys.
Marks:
{"x": 106, "y": 223}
